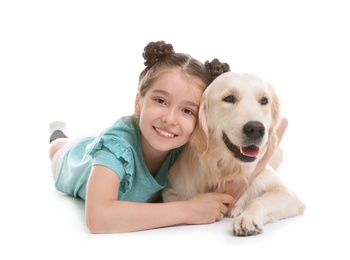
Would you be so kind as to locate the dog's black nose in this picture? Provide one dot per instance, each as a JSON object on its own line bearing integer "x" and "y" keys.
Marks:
{"x": 254, "y": 130}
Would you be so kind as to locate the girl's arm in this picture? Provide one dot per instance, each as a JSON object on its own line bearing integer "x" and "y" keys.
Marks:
{"x": 237, "y": 189}
{"x": 106, "y": 214}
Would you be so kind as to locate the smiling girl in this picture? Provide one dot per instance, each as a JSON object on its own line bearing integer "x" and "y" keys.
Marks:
{"x": 119, "y": 172}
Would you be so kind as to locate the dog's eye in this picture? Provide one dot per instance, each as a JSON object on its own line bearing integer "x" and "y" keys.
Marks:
{"x": 264, "y": 101}
{"x": 230, "y": 99}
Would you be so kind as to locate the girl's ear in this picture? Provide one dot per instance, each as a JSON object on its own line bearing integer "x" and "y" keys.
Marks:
{"x": 137, "y": 104}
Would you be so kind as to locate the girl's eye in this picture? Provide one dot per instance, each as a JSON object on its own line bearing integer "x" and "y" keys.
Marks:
{"x": 188, "y": 111}
{"x": 160, "y": 101}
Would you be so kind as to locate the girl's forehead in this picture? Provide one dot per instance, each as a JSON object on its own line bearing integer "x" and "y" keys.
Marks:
{"x": 178, "y": 85}
{"x": 177, "y": 79}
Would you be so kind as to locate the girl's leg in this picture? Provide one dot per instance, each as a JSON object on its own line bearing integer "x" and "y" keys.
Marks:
{"x": 55, "y": 145}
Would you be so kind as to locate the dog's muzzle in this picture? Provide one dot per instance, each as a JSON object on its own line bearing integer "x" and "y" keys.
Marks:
{"x": 254, "y": 132}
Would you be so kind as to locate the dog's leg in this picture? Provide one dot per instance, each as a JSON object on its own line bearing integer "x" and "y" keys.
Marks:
{"x": 276, "y": 202}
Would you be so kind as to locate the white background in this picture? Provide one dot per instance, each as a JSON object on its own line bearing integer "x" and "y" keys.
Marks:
{"x": 79, "y": 61}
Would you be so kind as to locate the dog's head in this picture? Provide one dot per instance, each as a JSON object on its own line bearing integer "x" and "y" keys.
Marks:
{"x": 239, "y": 112}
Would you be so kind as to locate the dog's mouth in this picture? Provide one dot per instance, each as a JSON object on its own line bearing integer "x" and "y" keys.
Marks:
{"x": 243, "y": 153}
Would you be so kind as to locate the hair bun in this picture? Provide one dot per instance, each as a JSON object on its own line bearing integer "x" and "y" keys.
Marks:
{"x": 154, "y": 51}
{"x": 216, "y": 68}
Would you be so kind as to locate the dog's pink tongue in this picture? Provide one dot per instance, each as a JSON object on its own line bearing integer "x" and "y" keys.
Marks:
{"x": 250, "y": 151}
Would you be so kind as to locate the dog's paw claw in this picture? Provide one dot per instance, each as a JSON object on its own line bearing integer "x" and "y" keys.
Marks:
{"x": 246, "y": 226}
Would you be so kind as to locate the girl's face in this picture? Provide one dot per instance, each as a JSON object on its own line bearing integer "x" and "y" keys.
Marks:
{"x": 168, "y": 111}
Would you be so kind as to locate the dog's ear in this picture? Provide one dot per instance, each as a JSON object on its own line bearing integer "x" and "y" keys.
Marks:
{"x": 200, "y": 136}
{"x": 276, "y": 117}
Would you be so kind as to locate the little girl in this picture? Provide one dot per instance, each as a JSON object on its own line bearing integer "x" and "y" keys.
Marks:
{"x": 122, "y": 170}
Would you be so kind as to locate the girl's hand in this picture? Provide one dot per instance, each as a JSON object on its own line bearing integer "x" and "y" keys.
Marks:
{"x": 206, "y": 208}
{"x": 234, "y": 189}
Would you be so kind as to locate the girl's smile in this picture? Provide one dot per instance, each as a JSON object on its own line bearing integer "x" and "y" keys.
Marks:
{"x": 164, "y": 133}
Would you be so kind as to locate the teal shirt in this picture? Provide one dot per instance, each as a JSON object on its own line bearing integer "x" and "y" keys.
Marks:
{"x": 118, "y": 148}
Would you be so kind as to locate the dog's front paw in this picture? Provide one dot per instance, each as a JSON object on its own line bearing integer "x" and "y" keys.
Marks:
{"x": 247, "y": 225}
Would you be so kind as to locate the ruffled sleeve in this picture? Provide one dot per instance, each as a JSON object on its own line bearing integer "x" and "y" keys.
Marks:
{"x": 115, "y": 153}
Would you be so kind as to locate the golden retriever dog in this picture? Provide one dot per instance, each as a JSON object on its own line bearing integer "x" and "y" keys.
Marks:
{"x": 238, "y": 118}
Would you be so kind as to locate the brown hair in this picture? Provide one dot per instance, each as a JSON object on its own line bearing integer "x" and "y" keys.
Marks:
{"x": 160, "y": 56}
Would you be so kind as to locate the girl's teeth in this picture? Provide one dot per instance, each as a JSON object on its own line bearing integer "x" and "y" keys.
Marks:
{"x": 166, "y": 134}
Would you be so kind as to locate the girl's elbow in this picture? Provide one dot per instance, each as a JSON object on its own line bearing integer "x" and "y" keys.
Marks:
{"x": 101, "y": 223}
{"x": 284, "y": 123}
{"x": 95, "y": 223}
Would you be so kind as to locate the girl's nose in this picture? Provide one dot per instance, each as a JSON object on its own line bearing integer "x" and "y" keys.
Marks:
{"x": 170, "y": 117}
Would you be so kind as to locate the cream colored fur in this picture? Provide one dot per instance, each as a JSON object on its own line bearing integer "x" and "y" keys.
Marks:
{"x": 206, "y": 162}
